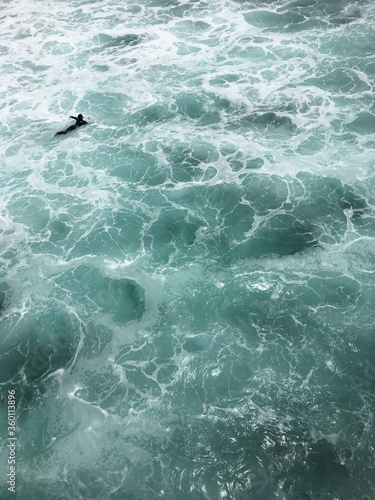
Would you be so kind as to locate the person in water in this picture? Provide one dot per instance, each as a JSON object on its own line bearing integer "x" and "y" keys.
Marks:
{"x": 79, "y": 122}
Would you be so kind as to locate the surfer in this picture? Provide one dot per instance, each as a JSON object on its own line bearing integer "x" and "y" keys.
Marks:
{"x": 79, "y": 122}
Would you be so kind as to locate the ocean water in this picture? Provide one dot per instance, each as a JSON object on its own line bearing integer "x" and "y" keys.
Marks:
{"x": 187, "y": 283}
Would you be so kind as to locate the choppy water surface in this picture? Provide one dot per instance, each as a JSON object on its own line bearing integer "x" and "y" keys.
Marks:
{"x": 187, "y": 284}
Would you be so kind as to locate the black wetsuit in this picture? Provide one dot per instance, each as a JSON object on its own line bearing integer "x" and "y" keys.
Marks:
{"x": 79, "y": 122}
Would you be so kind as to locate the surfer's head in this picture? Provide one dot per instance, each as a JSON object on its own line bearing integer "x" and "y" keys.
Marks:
{"x": 80, "y": 116}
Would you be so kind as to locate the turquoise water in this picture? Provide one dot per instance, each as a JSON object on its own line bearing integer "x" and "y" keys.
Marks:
{"x": 187, "y": 283}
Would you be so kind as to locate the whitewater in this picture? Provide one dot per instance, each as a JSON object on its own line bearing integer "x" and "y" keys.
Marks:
{"x": 187, "y": 282}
